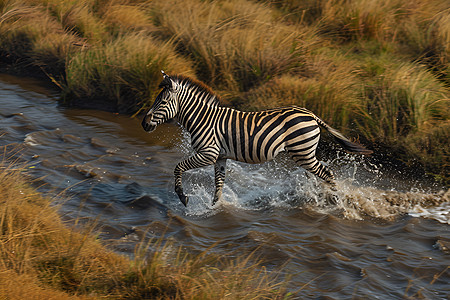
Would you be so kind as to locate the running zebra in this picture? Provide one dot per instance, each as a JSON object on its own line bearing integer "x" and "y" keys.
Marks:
{"x": 221, "y": 133}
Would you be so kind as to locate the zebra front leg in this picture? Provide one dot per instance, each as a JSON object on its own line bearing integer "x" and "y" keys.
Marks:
{"x": 202, "y": 158}
{"x": 219, "y": 178}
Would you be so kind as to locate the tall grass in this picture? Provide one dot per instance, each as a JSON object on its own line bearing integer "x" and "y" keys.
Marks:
{"x": 404, "y": 100}
{"x": 31, "y": 38}
{"x": 37, "y": 250}
{"x": 426, "y": 37}
{"x": 330, "y": 90}
{"x": 125, "y": 71}
{"x": 79, "y": 17}
{"x": 123, "y": 18}
{"x": 237, "y": 44}
{"x": 419, "y": 28}
{"x": 361, "y": 19}
{"x": 40, "y": 257}
{"x": 408, "y": 107}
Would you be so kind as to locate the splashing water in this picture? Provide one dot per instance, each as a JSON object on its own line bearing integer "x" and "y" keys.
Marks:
{"x": 281, "y": 184}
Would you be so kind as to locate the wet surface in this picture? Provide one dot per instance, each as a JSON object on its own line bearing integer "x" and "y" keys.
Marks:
{"x": 380, "y": 236}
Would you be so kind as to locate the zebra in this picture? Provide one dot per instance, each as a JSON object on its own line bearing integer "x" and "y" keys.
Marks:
{"x": 219, "y": 133}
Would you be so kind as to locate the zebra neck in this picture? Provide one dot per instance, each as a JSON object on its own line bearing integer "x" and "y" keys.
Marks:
{"x": 195, "y": 114}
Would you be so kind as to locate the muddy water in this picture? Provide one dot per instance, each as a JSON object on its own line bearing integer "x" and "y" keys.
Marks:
{"x": 380, "y": 236}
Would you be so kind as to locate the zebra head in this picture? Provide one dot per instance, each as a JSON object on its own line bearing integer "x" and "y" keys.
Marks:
{"x": 165, "y": 106}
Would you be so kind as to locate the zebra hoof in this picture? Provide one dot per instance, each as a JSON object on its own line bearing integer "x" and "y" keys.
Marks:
{"x": 332, "y": 186}
{"x": 184, "y": 199}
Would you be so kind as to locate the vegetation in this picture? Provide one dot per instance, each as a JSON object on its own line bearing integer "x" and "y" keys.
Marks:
{"x": 41, "y": 258}
{"x": 375, "y": 69}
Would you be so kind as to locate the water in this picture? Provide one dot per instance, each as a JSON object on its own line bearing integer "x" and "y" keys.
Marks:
{"x": 382, "y": 235}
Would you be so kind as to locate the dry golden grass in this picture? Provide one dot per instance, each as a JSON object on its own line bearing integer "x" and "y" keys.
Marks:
{"x": 126, "y": 70}
{"x": 37, "y": 252}
{"x": 406, "y": 99}
{"x": 237, "y": 44}
{"x": 79, "y": 17}
{"x": 417, "y": 28}
{"x": 32, "y": 38}
{"x": 330, "y": 91}
{"x": 123, "y": 18}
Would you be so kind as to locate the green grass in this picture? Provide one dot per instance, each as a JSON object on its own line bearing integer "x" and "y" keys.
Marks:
{"x": 375, "y": 69}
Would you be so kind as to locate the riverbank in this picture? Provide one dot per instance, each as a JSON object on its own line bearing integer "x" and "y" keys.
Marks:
{"x": 377, "y": 70}
{"x": 42, "y": 257}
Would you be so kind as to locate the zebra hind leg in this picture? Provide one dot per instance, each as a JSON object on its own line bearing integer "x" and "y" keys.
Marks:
{"x": 314, "y": 166}
{"x": 219, "y": 178}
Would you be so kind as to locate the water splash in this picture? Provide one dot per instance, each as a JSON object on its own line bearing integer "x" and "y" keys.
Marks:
{"x": 361, "y": 194}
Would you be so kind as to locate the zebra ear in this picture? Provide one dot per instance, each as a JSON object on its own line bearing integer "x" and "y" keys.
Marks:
{"x": 167, "y": 82}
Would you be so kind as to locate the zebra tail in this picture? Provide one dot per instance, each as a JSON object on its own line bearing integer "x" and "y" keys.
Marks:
{"x": 342, "y": 140}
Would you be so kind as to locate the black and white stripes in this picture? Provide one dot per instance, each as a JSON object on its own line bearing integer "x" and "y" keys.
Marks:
{"x": 220, "y": 133}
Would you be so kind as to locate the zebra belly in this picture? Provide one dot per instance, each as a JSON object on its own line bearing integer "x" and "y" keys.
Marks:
{"x": 224, "y": 154}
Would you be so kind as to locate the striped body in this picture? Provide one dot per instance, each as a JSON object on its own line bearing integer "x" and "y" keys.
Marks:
{"x": 220, "y": 133}
{"x": 256, "y": 137}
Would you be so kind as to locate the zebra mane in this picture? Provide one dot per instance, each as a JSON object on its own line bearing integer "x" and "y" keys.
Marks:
{"x": 207, "y": 94}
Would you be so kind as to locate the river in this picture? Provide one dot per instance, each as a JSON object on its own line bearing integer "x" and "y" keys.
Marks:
{"x": 382, "y": 235}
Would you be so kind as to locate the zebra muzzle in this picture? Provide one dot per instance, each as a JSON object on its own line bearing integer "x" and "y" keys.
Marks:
{"x": 149, "y": 126}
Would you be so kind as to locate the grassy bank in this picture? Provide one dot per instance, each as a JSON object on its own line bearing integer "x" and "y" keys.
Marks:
{"x": 379, "y": 70}
{"x": 42, "y": 258}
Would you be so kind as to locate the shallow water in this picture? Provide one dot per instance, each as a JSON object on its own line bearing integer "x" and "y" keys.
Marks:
{"x": 382, "y": 235}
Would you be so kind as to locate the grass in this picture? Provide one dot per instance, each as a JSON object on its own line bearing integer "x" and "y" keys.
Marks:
{"x": 43, "y": 258}
{"x": 330, "y": 92}
{"x": 125, "y": 71}
{"x": 379, "y": 70}
{"x": 404, "y": 100}
{"x": 236, "y": 44}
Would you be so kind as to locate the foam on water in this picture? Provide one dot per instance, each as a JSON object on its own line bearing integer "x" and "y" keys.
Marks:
{"x": 440, "y": 213}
